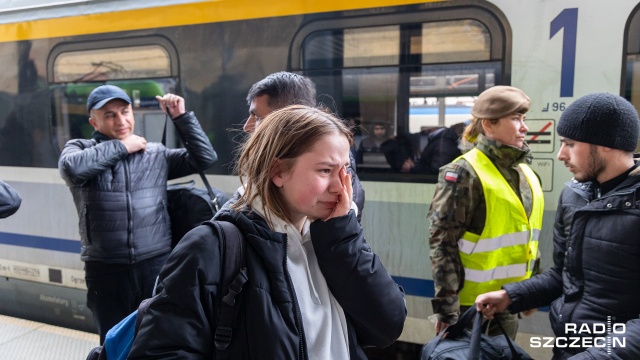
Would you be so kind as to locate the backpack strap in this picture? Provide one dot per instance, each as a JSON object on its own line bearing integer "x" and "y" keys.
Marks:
{"x": 233, "y": 278}
{"x": 142, "y": 310}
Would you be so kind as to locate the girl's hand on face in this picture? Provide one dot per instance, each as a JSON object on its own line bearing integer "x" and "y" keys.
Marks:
{"x": 344, "y": 202}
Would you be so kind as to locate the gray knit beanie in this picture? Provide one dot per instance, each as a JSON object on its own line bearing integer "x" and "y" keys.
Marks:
{"x": 601, "y": 119}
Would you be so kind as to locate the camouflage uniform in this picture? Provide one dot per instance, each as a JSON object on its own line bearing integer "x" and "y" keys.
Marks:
{"x": 458, "y": 206}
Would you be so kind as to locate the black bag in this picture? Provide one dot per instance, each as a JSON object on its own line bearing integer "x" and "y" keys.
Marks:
{"x": 189, "y": 206}
{"x": 119, "y": 339}
{"x": 461, "y": 344}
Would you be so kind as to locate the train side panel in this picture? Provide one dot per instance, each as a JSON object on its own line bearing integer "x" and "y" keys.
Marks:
{"x": 555, "y": 52}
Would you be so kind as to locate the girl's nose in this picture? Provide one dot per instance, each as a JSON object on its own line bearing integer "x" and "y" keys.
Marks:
{"x": 335, "y": 186}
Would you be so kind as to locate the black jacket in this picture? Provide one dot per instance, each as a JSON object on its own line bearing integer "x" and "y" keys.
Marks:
{"x": 596, "y": 272}
{"x": 441, "y": 149}
{"x": 9, "y": 200}
{"x": 121, "y": 198}
{"x": 180, "y": 319}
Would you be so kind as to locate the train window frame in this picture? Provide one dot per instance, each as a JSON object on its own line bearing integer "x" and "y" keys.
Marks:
{"x": 68, "y": 124}
{"x": 113, "y": 43}
{"x": 65, "y": 62}
{"x": 631, "y": 61}
{"x": 499, "y": 34}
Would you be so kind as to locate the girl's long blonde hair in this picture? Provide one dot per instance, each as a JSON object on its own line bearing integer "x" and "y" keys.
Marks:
{"x": 274, "y": 147}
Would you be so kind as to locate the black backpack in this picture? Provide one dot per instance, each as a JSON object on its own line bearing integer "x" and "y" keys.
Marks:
{"x": 187, "y": 205}
{"x": 234, "y": 275}
{"x": 190, "y": 206}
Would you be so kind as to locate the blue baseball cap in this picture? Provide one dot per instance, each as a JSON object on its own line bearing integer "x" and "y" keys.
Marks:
{"x": 103, "y": 94}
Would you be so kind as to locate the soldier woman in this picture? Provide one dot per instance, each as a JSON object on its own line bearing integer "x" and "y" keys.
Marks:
{"x": 487, "y": 210}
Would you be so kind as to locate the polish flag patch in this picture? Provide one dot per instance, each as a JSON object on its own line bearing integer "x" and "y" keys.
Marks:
{"x": 451, "y": 176}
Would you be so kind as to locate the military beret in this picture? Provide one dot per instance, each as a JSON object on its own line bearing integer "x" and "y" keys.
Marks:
{"x": 499, "y": 101}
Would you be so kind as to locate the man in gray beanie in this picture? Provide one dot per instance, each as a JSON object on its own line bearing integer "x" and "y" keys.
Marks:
{"x": 594, "y": 280}
{"x": 601, "y": 119}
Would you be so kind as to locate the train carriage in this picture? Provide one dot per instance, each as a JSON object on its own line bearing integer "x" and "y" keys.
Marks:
{"x": 414, "y": 65}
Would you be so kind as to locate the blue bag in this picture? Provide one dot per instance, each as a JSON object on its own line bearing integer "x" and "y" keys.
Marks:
{"x": 119, "y": 339}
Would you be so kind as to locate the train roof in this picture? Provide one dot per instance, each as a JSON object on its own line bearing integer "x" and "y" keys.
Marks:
{"x": 12, "y": 11}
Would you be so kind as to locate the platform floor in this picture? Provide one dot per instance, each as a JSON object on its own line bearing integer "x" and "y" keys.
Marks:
{"x": 28, "y": 340}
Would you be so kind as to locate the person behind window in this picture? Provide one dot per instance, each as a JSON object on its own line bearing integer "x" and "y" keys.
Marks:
{"x": 119, "y": 186}
{"x": 443, "y": 147}
{"x": 594, "y": 279}
{"x": 373, "y": 142}
{"x": 486, "y": 213}
{"x": 315, "y": 289}
{"x": 10, "y": 200}
{"x": 371, "y": 152}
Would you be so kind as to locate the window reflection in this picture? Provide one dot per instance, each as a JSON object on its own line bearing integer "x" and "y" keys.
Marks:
{"x": 410, "y": 79}
{"x": 136, "y": 62}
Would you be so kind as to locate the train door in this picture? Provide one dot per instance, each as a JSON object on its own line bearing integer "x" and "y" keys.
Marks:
{"x": 409, "y": 67}
{"x": 410, "y": 73}
{"x": 142, "y": 67}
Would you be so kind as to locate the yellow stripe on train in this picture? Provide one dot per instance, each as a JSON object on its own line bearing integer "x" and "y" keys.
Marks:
{"x": 177, "y": 15}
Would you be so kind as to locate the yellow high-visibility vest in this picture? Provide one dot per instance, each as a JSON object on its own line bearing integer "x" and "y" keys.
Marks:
{"x": 506, "y": 250}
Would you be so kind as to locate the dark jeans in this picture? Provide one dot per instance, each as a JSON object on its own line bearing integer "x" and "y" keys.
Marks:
{"x": 508, "y": 321}
{"x": 115, "y": 291}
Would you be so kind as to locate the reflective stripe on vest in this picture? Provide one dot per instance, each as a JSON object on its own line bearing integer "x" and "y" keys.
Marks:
{"x": 506, "y": 250}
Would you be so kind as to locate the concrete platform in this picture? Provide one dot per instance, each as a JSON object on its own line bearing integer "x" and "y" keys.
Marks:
{"x": 28, "y": 340}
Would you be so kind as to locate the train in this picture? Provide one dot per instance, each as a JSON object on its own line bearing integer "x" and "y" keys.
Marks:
{"x": 411, "y": 64}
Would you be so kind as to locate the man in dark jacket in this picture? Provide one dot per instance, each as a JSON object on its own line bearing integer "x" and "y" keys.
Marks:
{"x": 593, "y": 284}
{"x": 9, "y": 200}
{"x": 442, "y": 148}
{"x": 282, "y": 89}
{"x": 118, "y": 182}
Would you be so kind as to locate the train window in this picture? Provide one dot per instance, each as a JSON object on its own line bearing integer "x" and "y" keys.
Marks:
{"x": 137, "y": 62}
{"x": 143, "y": 68}
{"x": 399, "y": 82}
{"x": 352, "y": 48}
{"x": 358, "y": 52}
{"x": 454, "y": 41}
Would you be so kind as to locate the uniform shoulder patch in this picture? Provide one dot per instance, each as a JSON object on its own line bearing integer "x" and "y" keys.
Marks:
{"x": 451, "y": 176}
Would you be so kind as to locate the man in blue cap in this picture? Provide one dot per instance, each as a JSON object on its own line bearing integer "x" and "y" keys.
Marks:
{"x": 118, "y": 181}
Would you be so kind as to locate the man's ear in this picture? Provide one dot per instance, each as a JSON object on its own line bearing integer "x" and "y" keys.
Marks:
{"x": 278, "y": 175}
{"x": 93, "y": 123}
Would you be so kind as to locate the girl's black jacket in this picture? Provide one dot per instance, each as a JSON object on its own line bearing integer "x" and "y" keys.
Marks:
{"x": 180, "y": 321}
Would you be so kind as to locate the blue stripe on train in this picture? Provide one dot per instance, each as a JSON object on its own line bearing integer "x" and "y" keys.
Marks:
{"x": 412, "y": 286}
{"x": 40, "y": 242}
